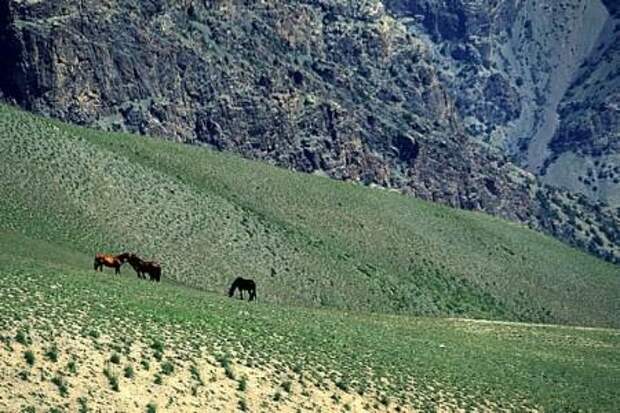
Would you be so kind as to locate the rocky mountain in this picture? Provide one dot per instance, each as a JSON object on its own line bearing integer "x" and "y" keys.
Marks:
{"x": 538, "y": 79}
{"x": 432, "y": 98}
{"x": 587, "y": 141}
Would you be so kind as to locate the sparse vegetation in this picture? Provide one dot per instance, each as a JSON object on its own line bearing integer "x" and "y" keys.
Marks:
{"x": 51, "y": 353}
{"x": 82, "y": 405}
{"x": 196, "y": 374}
{"x": 22, "y": 338}
{"x": 61, "y": 383}
{"x": 72, "y": 367}
{"x": 342, "y": 385}
{"x": 29, "y": 356}
{"x": 287, "y": 386}
{"x": 167, "y": 368}
{"x": 112, "y": 378}
{"x": 243, "y": 384}
{"x": 129, "y": 373}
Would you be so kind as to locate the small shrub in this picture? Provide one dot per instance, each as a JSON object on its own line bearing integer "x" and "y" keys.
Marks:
{"x": 151, "y": 408}
{"x": 342, "y": 385}
{"x": 158, "y": 346}
{"x": 228, "y": 371}
{"x": 52, "y": 354}
{"x": 243, "y": 405}
{"x": 83, "y": 407}
{"x": 243, "y": 384}
{"x": 29, "y": 409}
{"x": 167, "y": 368}
{"x": 115, "y": 358}
{"x": 158, "y": 379}
{"x": 72, "y": 367}
{"x": 384, "y": 400}
{"x": 277, "y": 396}
{"x": 287, "y": 386}
{"x": 61, "y": 383}
{"x": 112, "y": 379}
{"x": 24, "y": 374}
{"x": 22, "y": 338}
{"x": 129, "y": 373}
{"x": 145, "y": 364}
{"x": 94, "y": 334}
{"x": 29, "y": 356}
{"x": 196, "y": 374}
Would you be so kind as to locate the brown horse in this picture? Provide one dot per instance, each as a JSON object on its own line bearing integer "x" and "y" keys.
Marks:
{"x": 112, "y": 261}
{"x": 152, "y": 268}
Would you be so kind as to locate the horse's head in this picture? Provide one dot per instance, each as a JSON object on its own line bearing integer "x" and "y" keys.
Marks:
{"x": 231, "y": 291}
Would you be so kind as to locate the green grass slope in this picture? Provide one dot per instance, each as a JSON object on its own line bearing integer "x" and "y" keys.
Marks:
{"x": 164, "y": 330}
{"x": 307, "y": 240}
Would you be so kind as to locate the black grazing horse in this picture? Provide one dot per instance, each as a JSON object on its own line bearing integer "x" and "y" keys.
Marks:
{"x": 243, "y": 284}
{"x": 152, "y": 268}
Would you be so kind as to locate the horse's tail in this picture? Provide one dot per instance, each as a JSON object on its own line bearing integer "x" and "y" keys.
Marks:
{"x": 96, "y": 263}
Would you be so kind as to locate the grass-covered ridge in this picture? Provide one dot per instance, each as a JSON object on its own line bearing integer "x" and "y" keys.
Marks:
{"x": 70, "y": 338}
{"x": 307, "y": 240}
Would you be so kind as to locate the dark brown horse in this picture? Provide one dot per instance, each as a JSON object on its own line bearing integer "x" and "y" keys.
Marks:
{"x": 243, "y": 284}
{"x": 112, "y": 261}
{"x": 152, "y": 268}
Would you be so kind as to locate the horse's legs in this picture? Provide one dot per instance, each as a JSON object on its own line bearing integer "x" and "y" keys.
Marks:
{"x": 117, "y": 269}
{"x": 241, "y": 294}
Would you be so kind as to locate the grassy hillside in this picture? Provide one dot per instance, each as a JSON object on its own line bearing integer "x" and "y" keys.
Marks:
{"x": 71, "y": 340}
{"x": 307, "y": 240}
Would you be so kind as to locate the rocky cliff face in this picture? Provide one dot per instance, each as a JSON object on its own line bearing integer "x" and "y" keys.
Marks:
{"x": 382, "y": 93}
{"x": 537, "y": 79}
{"x": 586, "y": 146}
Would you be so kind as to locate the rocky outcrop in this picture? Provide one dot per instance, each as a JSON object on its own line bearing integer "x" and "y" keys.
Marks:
{"x": 537, "y": 79}
{"x": 588, "y": 137}
{"x": 355, "y": 90}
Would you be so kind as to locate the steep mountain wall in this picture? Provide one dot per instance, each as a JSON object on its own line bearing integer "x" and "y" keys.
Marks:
{"x": 354, "y": 90}
{"x": 536, "y": 78}
{"x": 586, "y": 146}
